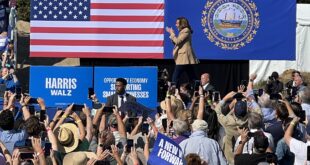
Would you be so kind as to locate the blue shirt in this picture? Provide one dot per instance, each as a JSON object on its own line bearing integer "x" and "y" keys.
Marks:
{"x": 208, "y": 149}
{"x": 9, "y": 82}
{"x": 10, "y": 137}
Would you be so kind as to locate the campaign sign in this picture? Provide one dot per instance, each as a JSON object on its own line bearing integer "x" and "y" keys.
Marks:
{"x": 60, "y": 86}
{"x": 141, "y": 83}
{"x": 166, "y": 152}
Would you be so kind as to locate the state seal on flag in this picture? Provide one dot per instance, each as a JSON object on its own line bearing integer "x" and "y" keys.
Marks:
{"x": 230, "y": 24}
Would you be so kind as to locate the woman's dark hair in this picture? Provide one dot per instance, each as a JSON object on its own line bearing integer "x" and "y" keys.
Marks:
{"x": 33, "y": 126}
{"x": 183, "y": 23}
{"x": 281, "y": 111}
{"x": 6, "y": 120}
{"x": 297, "y": 134}
{"x": 193, "y": 159}
{"x": 296, "y": 107}
{"x": 213, "y": 124}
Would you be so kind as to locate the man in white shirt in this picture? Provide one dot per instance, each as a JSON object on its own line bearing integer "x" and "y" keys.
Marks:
{"x": 255, "y": 123}
{"x": 297, "y": 147}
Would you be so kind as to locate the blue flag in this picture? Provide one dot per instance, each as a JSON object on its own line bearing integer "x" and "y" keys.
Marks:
{"x": 237, "y": 29}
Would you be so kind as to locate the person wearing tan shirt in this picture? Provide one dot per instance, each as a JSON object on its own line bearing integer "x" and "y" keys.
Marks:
{"x": 183, "y": 52}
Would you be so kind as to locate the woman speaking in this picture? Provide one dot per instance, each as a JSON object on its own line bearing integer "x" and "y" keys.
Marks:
{"x": 183, "y": 52}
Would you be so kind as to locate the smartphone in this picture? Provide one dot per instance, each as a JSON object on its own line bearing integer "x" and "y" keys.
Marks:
{"x": 33, "y": 101}
{"x": 244, "y": 83}
{"x": 251, "y": 134}
{"x": 216, "y": 96}
{"x": 108, "y": 109}
{"x": 62, "y": 112}
{"x": 145, "y": 129}
{"x": 42, "y": 115}
{"x": 196, "y": 85}
{"x": 26, "y": 155}
{"x": 97, "y": 105}
{"x": 90, "y": 92}
{"x": 131, "y": 120}
{"x": 47, "y": 148}
{"x": 77, "y": 107}
{"x": 102, "y": 162}
{"x": 129, "y": 145}
{"x": 159, "y": 110}
{"x": 275, "y": 96}
{"x": 18, "y": 92}
{"x": 164, "y": 123}
{"x": 32, "y": 110}
{"x": 302, "y": 116}
{"x": 260, "y": 92}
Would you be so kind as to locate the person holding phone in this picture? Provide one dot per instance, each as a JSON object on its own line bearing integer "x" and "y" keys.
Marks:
{"x": 9, "y": 78}
{"x": 120, "y": 96}
{"x": 299, "y": 148}
{"x": 183, "y": 52}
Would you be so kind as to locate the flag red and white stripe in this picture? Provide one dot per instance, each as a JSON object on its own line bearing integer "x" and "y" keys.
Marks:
{"x": 117, "y": 29}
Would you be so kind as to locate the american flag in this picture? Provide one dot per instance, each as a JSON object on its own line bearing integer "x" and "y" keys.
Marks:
{"x": 97, "y": 28}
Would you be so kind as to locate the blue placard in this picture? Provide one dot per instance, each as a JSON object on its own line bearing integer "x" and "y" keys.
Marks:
{"x": 60, "y": 86}
{"x": 141, "y": 83}
{"x": 236, "y": 29}
{"x": 166, "y": 152}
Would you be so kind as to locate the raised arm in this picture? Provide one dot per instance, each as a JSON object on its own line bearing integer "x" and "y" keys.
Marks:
{"x": 5, "y": 152}
{"x": 102, "y": 125}
{"x": 289, "y": 131}
{"x": 244, "y": 139}
{"x": 97, "y": 116}
{"x": 89, "y": 126}
{"x": 120, "y": 124}
{"x": 64, "y": 116}
{"x": 80, "y": 125}
{"x": 23, "y": 102}
{"x": 137, "y": 127}
{"x": 51, "y": 136}
{"x": 201, "y": 103}
{"x": 183, "y": 35}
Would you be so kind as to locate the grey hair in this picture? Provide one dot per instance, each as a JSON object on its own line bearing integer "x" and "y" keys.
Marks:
{"x": 255, "y": 121}
{"x": 304, "y": 95}
{"x": 264, "y": 101}
{"x": 179, "y": 126}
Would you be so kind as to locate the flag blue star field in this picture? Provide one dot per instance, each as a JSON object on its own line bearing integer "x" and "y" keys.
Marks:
{"x": 97, "y": 28}
{"x": 237, "y": 29}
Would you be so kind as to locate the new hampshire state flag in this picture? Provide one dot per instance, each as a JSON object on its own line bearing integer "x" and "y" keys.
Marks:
{"x": 236, "y": 29}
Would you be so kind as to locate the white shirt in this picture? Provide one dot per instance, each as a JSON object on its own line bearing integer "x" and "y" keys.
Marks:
{"x": 299, "y": 148}
{"x": 119, "y": 100}
{"x": 205, "y": 86}
{"x": 249, "y": 146}
{"x": 306, "y": 107}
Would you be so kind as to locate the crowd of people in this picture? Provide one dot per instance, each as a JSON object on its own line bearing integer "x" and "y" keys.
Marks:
{"x": 243, "y": 127}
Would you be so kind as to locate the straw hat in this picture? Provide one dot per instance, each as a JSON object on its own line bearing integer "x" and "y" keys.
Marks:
{"x": 68, "y": 137}
{"x": 78, "y": 158}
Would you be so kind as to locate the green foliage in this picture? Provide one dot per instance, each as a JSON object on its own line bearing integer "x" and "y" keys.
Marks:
{"x": 23, "y": 10}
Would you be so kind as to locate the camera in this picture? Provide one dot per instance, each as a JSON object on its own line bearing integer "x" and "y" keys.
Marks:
{"x": 271, "y": 78}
